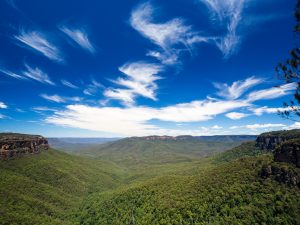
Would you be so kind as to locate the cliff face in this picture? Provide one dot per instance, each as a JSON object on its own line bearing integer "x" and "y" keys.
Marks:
{"x": 289, "y": 152}
{"x": 285, "y": 145}
{"x": 271, "y": 140}
{"x": 281, "y": 174}
{"x": 15, "y": 145}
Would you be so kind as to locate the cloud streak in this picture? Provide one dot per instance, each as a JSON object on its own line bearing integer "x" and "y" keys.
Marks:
{"x": 228, "y": 14}
{"x": 39, "y": 42}
{"x": 167, "y": 35}
{"x": 68, "y": 84}
{"x": 136, "y": 120}
{"x": 80, "y": 37}
{"x": 139, "y": 80}
{"x": 37, "y": 75}
{"x": 12, "y": 74}
{"x": 237, "y": 88}
{"x": 60, "y": 99}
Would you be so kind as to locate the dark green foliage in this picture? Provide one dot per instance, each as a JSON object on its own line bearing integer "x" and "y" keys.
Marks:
{"x": 286, "y": 134}
{"x": 244, "y": 150}
{"x": 45, "y": 188}
{"x": 146, "y": 183}
{"x": 227, "y": 194}
{"x": 135, "y": 153}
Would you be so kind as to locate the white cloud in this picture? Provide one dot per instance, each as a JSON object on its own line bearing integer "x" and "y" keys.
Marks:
{"x": 236, "y": 115}
{"x": 92, "y": 88}
{"x": 37, "y": 74}
{"x": 267, "y": 125}
{"x": 53, "y": 98}
{"x": 3, "y": 105}
{"x": 12, "y": 74}
{"x": 40, "y": 43}
{"x": 139, "y": 81}
{"x": 216, "y": 127}
{"x": 80, "y": 37}
{"x": 258, "y": 126}
{"x": 68, "y": 84}
{"x": 135, "y": 120}
{"x": 295, "y": 125}
{"x": 262, "y": 110}
{"x": 237, "y": 88}
{"x": 124, "y": 95}
{"x": 271, "y": 93}
{"x": 228, "y": 13}
{"x": 166, "y": 35}
{"x": 60, "y": 99}
{"x": 43, "y": 109}
{"x": 32, "y": 73}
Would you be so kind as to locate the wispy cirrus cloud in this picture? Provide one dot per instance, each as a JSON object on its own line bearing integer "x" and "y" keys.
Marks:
{"x": 93, "y": 88}
{"x": 227, "y": 14}
{"x": 80, "y": 37}
{"x": 136, "y": 120}
{"x": 60, "y": 99}
{"x": 43, "y": 109}
{"x": 41, "y": 43}
{"x": 37, "y": 75}
{"x": 68, "y": 84}
{"x": 237, "y": 88}
{"x": 271, "y": 93}
{"x": 12, "y": 74}
{"x": 29, "y": 73}
{"x": 269, "y": 110}
{"x": 167, "y": 35}
{"x": 139, "y": 81}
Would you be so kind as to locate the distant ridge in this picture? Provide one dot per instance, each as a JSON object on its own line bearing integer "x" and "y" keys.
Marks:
{"x": 220, "y": 138}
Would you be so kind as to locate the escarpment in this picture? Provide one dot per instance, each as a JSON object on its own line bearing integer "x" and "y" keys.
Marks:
{"x": 271, "y": 140}
{"x": 289, "y": 152}
{"x": 14, "y": 145}
{"x": 285, "y": 145}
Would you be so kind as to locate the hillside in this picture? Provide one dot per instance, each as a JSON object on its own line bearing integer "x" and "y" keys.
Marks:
{"x": 135, "y": 152}
{"x": 75, "y": 144}
{"x": 230, "y": 193}
{"x": 151, "y": 181}
{"x": 46, "y": 188}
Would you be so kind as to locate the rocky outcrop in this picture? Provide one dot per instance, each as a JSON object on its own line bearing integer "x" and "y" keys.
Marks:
{"x": 281, "y": 174}
{"x": 268, "y": 143}
{"x": 16, "y": 145}
{"x": 271, "y": 140}
{"x": 288, "y": 152}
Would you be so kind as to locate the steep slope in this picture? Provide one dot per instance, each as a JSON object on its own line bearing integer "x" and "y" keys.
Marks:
{"x": 46, "y": 188}
{"x": 229, "y": 193}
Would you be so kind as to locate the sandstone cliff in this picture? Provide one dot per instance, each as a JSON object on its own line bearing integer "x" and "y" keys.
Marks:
{"x": 14, "y": 145}
{"x": 285, "y": 145}
{"x": 289, "y": 152}
{"x": 271, "y": 140}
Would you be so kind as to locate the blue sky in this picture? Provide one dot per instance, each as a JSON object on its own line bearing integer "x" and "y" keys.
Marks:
{"x": 133, "y": 68}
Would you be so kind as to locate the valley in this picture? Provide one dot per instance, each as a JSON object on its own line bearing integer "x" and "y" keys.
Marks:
{"x": 146, "y": 180}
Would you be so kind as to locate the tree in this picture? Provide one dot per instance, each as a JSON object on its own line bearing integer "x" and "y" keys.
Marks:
{"x": 289, "y": 71}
